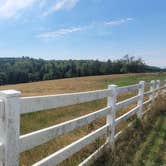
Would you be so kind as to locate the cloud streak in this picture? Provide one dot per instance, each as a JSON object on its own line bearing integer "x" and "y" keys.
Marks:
{"x": 118, "y": 22}
{"x": 66, "y": 31}
{"x": 61, "y": 5}
{"x": 12, "y": 8}
{"x": 60, "y": 33}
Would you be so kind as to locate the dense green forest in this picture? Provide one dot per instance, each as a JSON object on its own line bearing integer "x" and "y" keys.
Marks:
{"x": 25, "y": 69}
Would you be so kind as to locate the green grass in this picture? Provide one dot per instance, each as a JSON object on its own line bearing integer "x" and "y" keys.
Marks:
{"x": 151, "y": 152}
{"x": 133, "y": 79}
{"x": 143, "y": 144}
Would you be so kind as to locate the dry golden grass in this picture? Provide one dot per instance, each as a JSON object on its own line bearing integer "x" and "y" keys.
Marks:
{"x": 63, "y": 85}
{"x": 34, "y": 121}
{"x": 79, "y": 84}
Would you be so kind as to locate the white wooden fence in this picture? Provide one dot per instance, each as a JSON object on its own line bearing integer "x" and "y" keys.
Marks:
{"x": 12, "y": 105}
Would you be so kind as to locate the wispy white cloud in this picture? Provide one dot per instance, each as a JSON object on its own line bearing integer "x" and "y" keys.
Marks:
{"x": 12, "y": 8}
{"x": 118, "y": 22}
{"x": 66, "y": 31}
{"x": 60, "y": 33}
{"x": 61, "y": 4}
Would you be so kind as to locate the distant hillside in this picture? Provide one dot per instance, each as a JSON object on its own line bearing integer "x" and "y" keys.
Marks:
{"x": 25, "y": 69}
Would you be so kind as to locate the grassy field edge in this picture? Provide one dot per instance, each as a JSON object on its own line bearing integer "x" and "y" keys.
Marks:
{"x": 142, "y": 144}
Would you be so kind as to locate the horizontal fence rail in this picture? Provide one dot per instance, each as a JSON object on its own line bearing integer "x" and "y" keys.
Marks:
{"x": 146, "y": 94}
{"x": 32, "y": 104}
{"x": 66, "y": 152}
{"x": 127, "y": 102}
{"x": 126, "y": 115}
{"x": 33, "y": 139}
{"x": 12, "y": 105}
{"x": 126, "y": 89}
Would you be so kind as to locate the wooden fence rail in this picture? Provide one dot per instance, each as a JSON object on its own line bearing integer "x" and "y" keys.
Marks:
{"x": 12, "y": 105}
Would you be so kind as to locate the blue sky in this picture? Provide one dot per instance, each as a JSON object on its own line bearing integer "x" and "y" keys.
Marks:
{"x": 84, "y": 29}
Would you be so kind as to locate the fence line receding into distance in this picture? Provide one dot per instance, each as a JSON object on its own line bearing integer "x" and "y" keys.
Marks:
{"x": 12, "y": 105}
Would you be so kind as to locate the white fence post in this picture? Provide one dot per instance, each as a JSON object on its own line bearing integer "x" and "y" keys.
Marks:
{"x": 141, "y": 98}
{"x": 10, "y": 129}
{"x": 111, "y": 101}
{"x": 164, "y": 86}
{"x": 152, "y": 89}
{"x": 158, "y": 87}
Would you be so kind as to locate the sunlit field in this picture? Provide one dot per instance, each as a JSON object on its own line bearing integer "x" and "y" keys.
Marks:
{"x": 34, "y": 121}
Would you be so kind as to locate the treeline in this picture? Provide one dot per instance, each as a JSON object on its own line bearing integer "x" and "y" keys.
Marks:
{"x": 25, "y": 69}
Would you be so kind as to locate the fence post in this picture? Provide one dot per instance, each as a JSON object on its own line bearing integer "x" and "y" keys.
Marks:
{"x": 152, "y": 89}
{"x": 111, "y": 101}
{"x": 157, "y": 87}
{"x": 164, "y": 86}
{"x": 10, "y": 129}
{"x": 141, "y": 98}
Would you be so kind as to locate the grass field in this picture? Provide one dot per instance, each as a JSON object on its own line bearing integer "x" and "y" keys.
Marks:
{"x": 145, "y": 145}
{"x": 34, "y": 121}
{"x": 152, "y": 152}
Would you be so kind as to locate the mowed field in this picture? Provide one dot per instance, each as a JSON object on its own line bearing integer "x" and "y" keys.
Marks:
{"x": 34, "y": 121}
